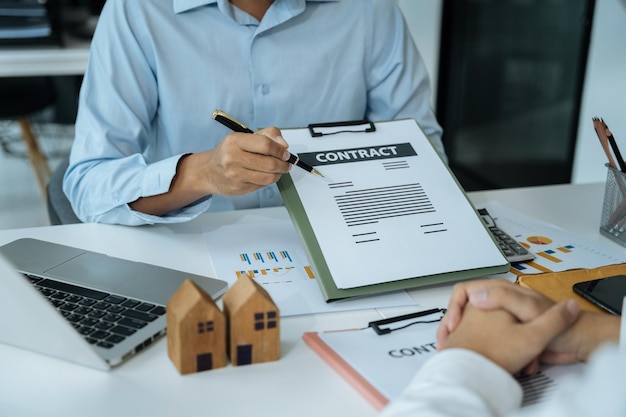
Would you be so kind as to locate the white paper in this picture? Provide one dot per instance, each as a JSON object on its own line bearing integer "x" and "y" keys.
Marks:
{"x": 389, "y": 362}
{"x": 271, "y": 253}
{"x": 556, "y": 249}
{"x": 397, "y": 216}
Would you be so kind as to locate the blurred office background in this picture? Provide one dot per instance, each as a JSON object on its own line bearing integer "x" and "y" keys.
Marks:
{"x": 515, "y": 85}
{"x": 512, "y": 91}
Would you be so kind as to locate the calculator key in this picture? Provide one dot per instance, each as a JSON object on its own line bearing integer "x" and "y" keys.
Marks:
{"x": 519, "y": 249}
{"x": 510, "y": 247}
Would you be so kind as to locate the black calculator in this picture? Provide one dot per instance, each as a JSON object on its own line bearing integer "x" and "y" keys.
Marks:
{"x": 511, "y": 248}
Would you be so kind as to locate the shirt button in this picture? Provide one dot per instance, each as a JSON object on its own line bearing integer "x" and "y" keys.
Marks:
{"x": 265, "y": 89}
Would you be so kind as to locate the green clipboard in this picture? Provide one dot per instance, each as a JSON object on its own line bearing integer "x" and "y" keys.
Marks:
{"x": 296, "y": 208}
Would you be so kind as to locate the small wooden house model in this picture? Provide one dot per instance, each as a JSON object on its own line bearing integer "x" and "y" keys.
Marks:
{"x": 253, "y": 323}
{"x": 196, "y": 330}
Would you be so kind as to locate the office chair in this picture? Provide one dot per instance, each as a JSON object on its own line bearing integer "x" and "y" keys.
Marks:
{"x": 20, "y": 97}
{"x": 59, "y": 208}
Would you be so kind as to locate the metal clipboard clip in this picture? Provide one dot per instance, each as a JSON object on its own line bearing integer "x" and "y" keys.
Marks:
{"x": 352, "y": 126}
{"x": 406, "y": 317}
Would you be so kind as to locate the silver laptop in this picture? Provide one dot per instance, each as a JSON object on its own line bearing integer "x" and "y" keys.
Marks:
{"x": 84, "y": 307}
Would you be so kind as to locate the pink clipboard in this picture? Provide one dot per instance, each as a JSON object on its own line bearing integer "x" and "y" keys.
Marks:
{"x": 366, "y": 389}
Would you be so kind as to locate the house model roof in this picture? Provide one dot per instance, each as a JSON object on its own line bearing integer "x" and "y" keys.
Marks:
{"x": 187, "y": 297}
{"x": 242, "y": 291}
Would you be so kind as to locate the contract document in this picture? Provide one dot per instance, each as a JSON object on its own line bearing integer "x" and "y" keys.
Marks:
{"x": 387, "y": 214}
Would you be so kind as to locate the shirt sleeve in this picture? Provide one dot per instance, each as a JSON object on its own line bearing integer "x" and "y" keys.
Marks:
{"x": 399, "y": 83}
{"x": 134, "y": 179}
{"x": 111, "y": 163}
{"x": 599, "y": 391}
{"x": 458, "y": 382}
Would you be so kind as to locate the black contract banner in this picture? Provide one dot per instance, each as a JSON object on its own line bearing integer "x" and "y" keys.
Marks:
{"x": 340, "y": 156}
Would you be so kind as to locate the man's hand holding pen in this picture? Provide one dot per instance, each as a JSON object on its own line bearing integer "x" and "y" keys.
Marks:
{"x": 236, "y": 126}
{"x": 241, "y": 163}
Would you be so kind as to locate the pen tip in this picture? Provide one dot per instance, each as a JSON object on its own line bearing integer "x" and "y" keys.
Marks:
{"x": 316, "y": 172}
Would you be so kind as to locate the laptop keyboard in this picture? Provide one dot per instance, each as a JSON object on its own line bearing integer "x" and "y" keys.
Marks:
{"x": 102, "y": 318}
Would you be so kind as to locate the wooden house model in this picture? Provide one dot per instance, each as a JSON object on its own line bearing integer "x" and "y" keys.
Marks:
{"x": 196, "y": 330}
{"x": 253, "y": 322}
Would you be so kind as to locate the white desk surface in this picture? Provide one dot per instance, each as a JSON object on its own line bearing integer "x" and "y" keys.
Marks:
{"x": 34, "y": 60}
{"x": 300, "y": 383}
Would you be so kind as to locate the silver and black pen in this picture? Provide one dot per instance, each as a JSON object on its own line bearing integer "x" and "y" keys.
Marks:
{"x": 236, "y": 126}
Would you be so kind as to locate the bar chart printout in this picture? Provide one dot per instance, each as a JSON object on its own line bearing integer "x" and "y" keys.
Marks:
{"x": 272, "y": 255}
{"x": 273, "y": 267}
{"x": 556, "y": 249}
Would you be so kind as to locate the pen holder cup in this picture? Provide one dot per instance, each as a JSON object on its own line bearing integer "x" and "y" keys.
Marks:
{"x": 613, "y": 223}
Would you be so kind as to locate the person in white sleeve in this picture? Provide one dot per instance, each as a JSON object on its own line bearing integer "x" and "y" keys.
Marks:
{"x": 494, "y": 330}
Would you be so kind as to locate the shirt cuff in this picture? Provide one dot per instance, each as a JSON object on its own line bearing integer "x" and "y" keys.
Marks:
{"x": 159, "y": 175}
{"x": 158, "y": 180}
{"x": 462, "y": 367}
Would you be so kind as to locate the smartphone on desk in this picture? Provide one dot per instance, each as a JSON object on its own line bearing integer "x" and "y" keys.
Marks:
{"x": 607, "y": 293}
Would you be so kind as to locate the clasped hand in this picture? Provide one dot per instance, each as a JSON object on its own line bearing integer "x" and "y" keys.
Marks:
{"x": 514, "y": 327}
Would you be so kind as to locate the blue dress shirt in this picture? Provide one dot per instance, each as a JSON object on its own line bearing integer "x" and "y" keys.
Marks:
{"x": 159, "y": 68}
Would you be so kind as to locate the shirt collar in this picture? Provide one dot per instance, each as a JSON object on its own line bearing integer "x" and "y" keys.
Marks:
{"x": 181, "y": 6}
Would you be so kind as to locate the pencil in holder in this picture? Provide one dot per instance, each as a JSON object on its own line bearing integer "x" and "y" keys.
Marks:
{"x": 613, "y": 223}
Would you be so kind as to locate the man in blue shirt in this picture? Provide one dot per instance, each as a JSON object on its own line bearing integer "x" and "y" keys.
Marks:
{"x": 146, "y": 148}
